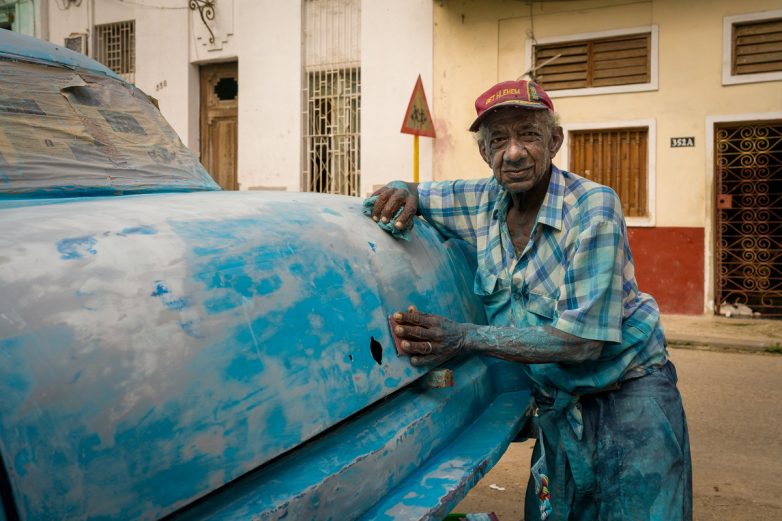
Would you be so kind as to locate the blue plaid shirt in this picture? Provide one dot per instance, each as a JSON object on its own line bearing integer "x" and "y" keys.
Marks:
{"x": 576, "y": 274}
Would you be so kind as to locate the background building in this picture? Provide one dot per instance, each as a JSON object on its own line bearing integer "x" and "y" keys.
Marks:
{"x": 676, "y": 105}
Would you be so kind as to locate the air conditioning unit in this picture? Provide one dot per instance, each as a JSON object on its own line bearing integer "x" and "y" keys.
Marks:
{"x": 76, "y": 42}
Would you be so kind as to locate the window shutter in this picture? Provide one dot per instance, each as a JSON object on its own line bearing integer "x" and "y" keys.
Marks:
{"x": 617, "y": 158}
{"x": 603, "y": 62}
{"x": 757, "y": 47}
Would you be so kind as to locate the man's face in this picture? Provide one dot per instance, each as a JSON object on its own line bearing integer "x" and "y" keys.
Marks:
{"x": 518, "y": 146}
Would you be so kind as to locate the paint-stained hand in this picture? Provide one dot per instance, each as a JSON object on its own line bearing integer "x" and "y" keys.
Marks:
{"x": 391, "y": 198}
{"x": 428, "y": 339}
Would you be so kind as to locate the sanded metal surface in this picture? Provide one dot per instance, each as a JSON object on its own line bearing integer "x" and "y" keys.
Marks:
{"x": 154, "y": 348}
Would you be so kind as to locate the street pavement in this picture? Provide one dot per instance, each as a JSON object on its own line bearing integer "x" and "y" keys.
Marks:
{"x": 733, "y": 401}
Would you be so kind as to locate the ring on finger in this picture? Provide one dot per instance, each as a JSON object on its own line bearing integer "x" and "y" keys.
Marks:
{"x": 428, "y": 348}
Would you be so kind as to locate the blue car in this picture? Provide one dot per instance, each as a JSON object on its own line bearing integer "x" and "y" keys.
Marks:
{"x": 168, "y": 349}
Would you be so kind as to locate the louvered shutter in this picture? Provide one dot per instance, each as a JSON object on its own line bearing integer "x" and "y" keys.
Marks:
{"x": 621, "y": 60}
{"x": 757, "y": 47}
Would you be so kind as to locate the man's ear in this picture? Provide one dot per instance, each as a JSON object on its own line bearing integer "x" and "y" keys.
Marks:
{"x": 557, "y": 138}
{"x": 482, "y": 150}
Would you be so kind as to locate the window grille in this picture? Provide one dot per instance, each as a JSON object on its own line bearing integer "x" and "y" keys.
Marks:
{"x": 757, "y": 47}
{"x": 602, "y": 62}
{"x": 615, "y": 157}
{"x": 332, "y": 97}
{"x": 115, "y": 47}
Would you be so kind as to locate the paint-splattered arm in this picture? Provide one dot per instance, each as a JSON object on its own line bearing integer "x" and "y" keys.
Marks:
{"x": 432, "y": 338}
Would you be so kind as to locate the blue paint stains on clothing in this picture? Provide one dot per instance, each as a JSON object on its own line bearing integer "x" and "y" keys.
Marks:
{"x": 372, "y": 246}
{"x": 77, "y": 247}
{"x": 139, "y": 230}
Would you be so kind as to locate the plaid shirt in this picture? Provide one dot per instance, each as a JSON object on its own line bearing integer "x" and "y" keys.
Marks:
{"x": 576, "y": 274}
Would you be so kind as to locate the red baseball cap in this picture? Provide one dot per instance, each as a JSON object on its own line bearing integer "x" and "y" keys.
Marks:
{"x": 523, "y": 94}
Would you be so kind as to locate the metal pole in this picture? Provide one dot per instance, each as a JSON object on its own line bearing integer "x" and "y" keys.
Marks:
{"x": 415, "y": 158}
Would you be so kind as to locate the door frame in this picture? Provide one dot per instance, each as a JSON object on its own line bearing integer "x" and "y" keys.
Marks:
{"x": 709, "y": 254}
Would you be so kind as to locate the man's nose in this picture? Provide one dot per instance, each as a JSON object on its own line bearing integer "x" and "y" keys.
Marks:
{"x": 515, "y": 151}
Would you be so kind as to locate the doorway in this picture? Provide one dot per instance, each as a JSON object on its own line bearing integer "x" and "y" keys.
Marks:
{"x": 748, "y": 173}
{"x": 219, "y": 122}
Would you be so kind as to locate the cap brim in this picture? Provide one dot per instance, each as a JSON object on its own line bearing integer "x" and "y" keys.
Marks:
{"x": 510, "y": 103}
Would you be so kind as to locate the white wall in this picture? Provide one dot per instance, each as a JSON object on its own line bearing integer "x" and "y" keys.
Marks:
{"x": 396, "y": 46}
{"x": 268, "y": 36}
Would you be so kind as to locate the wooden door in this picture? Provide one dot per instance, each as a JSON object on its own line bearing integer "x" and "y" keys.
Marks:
{"x": 219, "y": 122}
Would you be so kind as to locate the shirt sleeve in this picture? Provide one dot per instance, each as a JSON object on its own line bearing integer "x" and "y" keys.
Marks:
{"x": 590, "y": 304}
{"x": 453, "y": 207}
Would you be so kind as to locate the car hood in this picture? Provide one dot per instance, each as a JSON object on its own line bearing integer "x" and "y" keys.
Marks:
{"x": 155, "y": 347}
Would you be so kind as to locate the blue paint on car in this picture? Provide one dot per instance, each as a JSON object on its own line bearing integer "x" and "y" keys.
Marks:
{"x": 139, "y": 230}
{"x": 76, "y": 247}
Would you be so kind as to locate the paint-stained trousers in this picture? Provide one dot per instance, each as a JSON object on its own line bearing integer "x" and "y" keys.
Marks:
{"x": 635, "y": 444}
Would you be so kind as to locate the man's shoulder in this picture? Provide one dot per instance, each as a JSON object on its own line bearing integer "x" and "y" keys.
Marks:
{"x": 587, "y": 201}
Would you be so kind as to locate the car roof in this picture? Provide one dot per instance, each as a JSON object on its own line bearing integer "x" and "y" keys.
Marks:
{"x": 26, "y": 48}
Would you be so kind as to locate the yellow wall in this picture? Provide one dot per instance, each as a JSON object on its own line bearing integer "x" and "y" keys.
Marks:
{"x": 478, "y": 43}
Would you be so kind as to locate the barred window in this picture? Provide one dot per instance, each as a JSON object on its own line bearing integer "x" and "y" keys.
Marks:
{"x": 757, "y": 47}
{"x": 332, "y": 97}
{"x": 115, "y": 47}
{"x": 615, "y": 157}
{"x": 600, "y": 62}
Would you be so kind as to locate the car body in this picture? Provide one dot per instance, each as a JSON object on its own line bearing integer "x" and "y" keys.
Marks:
{"x": 170, "y": 349}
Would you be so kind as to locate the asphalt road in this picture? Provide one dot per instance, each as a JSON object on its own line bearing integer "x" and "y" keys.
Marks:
{"x": 733, "y": 403}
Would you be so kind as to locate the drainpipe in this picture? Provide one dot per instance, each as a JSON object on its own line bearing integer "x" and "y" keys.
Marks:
{"x": 90, "y": 26}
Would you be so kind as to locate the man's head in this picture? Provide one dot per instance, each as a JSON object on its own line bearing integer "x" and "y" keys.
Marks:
{"x": 518, "y": 133}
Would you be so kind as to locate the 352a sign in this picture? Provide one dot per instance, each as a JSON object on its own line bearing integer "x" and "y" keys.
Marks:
{"x": 679, "y": 142}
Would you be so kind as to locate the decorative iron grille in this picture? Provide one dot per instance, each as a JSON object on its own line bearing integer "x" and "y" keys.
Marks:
{"x": 332, "y": 97}
{"x": 115, "y": 47}
{"x": 749, "y": 212}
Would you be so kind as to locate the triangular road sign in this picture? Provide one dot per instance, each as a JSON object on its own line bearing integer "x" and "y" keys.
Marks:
{"x": 418, "y": 120}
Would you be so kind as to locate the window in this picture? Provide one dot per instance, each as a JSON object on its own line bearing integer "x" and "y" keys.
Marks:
{"x": 752, "y": 48}
{"x": 115, "y": 47}
{"x": 332, "y": 97}
{"x": 602, "y": 62}
{"x": 615, "y": 157}
{"x": 757, "y": 47}
{"x": 587, "y": 64}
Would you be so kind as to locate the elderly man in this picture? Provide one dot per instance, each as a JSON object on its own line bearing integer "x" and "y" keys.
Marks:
{"x": 556, "y": 276}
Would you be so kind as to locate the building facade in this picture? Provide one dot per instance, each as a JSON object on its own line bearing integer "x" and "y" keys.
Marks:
{"x": 276, "y": 95}
{"x": 676, "y": 105}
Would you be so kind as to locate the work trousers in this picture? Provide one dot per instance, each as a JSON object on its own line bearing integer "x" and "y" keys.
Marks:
{"x": 636, "y": 449}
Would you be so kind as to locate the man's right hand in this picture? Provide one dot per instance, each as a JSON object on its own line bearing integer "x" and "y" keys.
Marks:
{"x": 390, "y": 198}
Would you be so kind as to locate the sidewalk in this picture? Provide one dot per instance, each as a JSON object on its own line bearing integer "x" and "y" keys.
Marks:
{"x": 745, "y": 334}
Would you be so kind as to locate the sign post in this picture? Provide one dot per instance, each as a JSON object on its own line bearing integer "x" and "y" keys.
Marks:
{"x": 418, "y": 121}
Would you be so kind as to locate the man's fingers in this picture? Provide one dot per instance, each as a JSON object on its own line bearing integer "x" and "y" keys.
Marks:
{"x": 405, "y": 219}
{"x": 420, "y": 348}
{"x": 413, "y": 333}
{"x": 418, "y": 360}
{"x": 394, "y": 202}
{"x": 382, "y": 197}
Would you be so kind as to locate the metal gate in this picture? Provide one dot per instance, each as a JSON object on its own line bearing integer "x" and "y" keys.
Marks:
{"x": 332, "y": 96}
{"x": 749, "y": 217}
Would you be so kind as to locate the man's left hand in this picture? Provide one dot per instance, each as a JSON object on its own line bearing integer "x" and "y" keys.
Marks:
{"x": 428, "y": 339}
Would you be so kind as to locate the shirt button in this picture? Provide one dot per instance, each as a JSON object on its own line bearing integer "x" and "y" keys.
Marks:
{"x": 517, "y": 296}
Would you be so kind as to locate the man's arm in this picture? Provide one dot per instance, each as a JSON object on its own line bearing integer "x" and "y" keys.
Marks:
{"x": 393, "y": 196}
{"x": 432, "y": 338}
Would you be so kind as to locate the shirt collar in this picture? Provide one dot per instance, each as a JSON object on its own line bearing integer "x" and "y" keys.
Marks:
{"x": 550, "y": 212}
